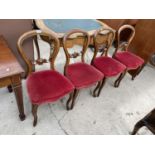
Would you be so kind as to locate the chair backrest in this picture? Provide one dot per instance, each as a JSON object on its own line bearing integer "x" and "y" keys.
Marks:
{"x": 54, "y": 48}
{"x": 102, "y": 40}
{"x": 124, "y": 44}
{"x": 73, "y": 35}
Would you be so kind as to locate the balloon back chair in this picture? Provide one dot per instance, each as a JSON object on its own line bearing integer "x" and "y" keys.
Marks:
{"x": 46, "y": 85}
{"x": 81, "y": 74}
{"x": 106, "y": 64}
{"x": 122, "y": 54}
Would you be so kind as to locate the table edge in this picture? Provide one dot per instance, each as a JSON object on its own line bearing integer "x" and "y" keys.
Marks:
{"x": 40, "y": 24}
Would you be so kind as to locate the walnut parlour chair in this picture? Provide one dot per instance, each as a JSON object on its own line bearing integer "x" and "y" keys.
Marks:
{"x": 126, "y": 57}
{"x": 47, "y": 85}
{"x": 106, "y": 64}
{"x": 81, "y": 74}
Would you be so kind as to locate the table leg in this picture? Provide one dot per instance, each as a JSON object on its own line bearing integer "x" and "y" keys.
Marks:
{"x": 17, "y": 87}
{"x": 10, "y": 89}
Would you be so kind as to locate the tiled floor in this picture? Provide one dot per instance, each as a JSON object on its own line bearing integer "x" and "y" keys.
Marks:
{"x": 114, "y": 112}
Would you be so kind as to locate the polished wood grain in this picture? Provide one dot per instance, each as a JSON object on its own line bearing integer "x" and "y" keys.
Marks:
{"x": 8, "y": 63}
{"x": 10, "y": 74}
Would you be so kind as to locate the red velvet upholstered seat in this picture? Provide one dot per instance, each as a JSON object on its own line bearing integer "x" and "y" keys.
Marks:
{"x": 130, "y": 60}
{"x": 47, "y": 86}
{"x": 83, "y": 75}
{"x": 108, "y": 66}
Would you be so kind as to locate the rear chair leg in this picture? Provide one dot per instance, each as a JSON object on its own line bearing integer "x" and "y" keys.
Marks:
{"x": 137, "y": 127}
{"x": 119, "y": 79}
{"x": 101, "y": 86}
{"x": 138, "y": 71}
{"x": 34, "y": 113}
{"x": 96, "y": 88}
{"x": 68, "y": 101}
{"x": 10, "y": 89}
{"x": 75, "y": 94}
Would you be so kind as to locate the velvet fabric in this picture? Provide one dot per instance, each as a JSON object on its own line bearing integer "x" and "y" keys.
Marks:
{"x": 108, "y": 66}
{"x": 83, "y": 75}
{"x": 130, "y": 60}
{"x": 47, "y": 86}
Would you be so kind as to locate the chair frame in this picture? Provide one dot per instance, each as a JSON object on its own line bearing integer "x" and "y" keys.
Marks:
{"x": 108, "y": 42}
{"x": 52, "y": 40}
{"x": 85, "y": 45}
{"x": 124, "y": 46}
{"x": 66, "y": 37}
{"x": 33, "y": 34}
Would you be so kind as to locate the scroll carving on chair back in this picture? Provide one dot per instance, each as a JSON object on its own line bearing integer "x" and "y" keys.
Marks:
{"x": 124, "y": 45}
{"x": 74, "y": 34}
{"x": 102, "y": 39}
{"x": 54, "y": 48}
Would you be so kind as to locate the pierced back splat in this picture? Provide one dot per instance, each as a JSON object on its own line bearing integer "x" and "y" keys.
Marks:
{"x": 75, "y": 34}
{"x": 54, "y": 45}
{"x": 102, "y": 39}
{"x": 123, "y": 45}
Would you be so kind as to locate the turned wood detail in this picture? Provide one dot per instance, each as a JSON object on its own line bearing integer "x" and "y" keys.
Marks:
{"x": 52, "y": 40}
{"x": 108, "y": 36}
{"x": 86, "y": 42}
{"x": 124, "y": 45}
{"x": 75, "y": 55}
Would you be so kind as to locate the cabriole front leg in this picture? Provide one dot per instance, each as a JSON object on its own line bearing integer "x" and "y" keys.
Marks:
{"x": 69, "y": 100}
{"x": 96, "y": 88}
{"x": 137, "y": 71}
{"x": 119, "y": 79}
{"x": 138, "y": 125}
{"x": 75, "y": 94}
{"x": 101, "y": 86}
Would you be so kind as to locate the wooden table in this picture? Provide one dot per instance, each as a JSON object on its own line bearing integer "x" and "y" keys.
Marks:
{"x": 10, "y": 74}
{"x": 18, "y": 27}
{"x": 60, "y": 26}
